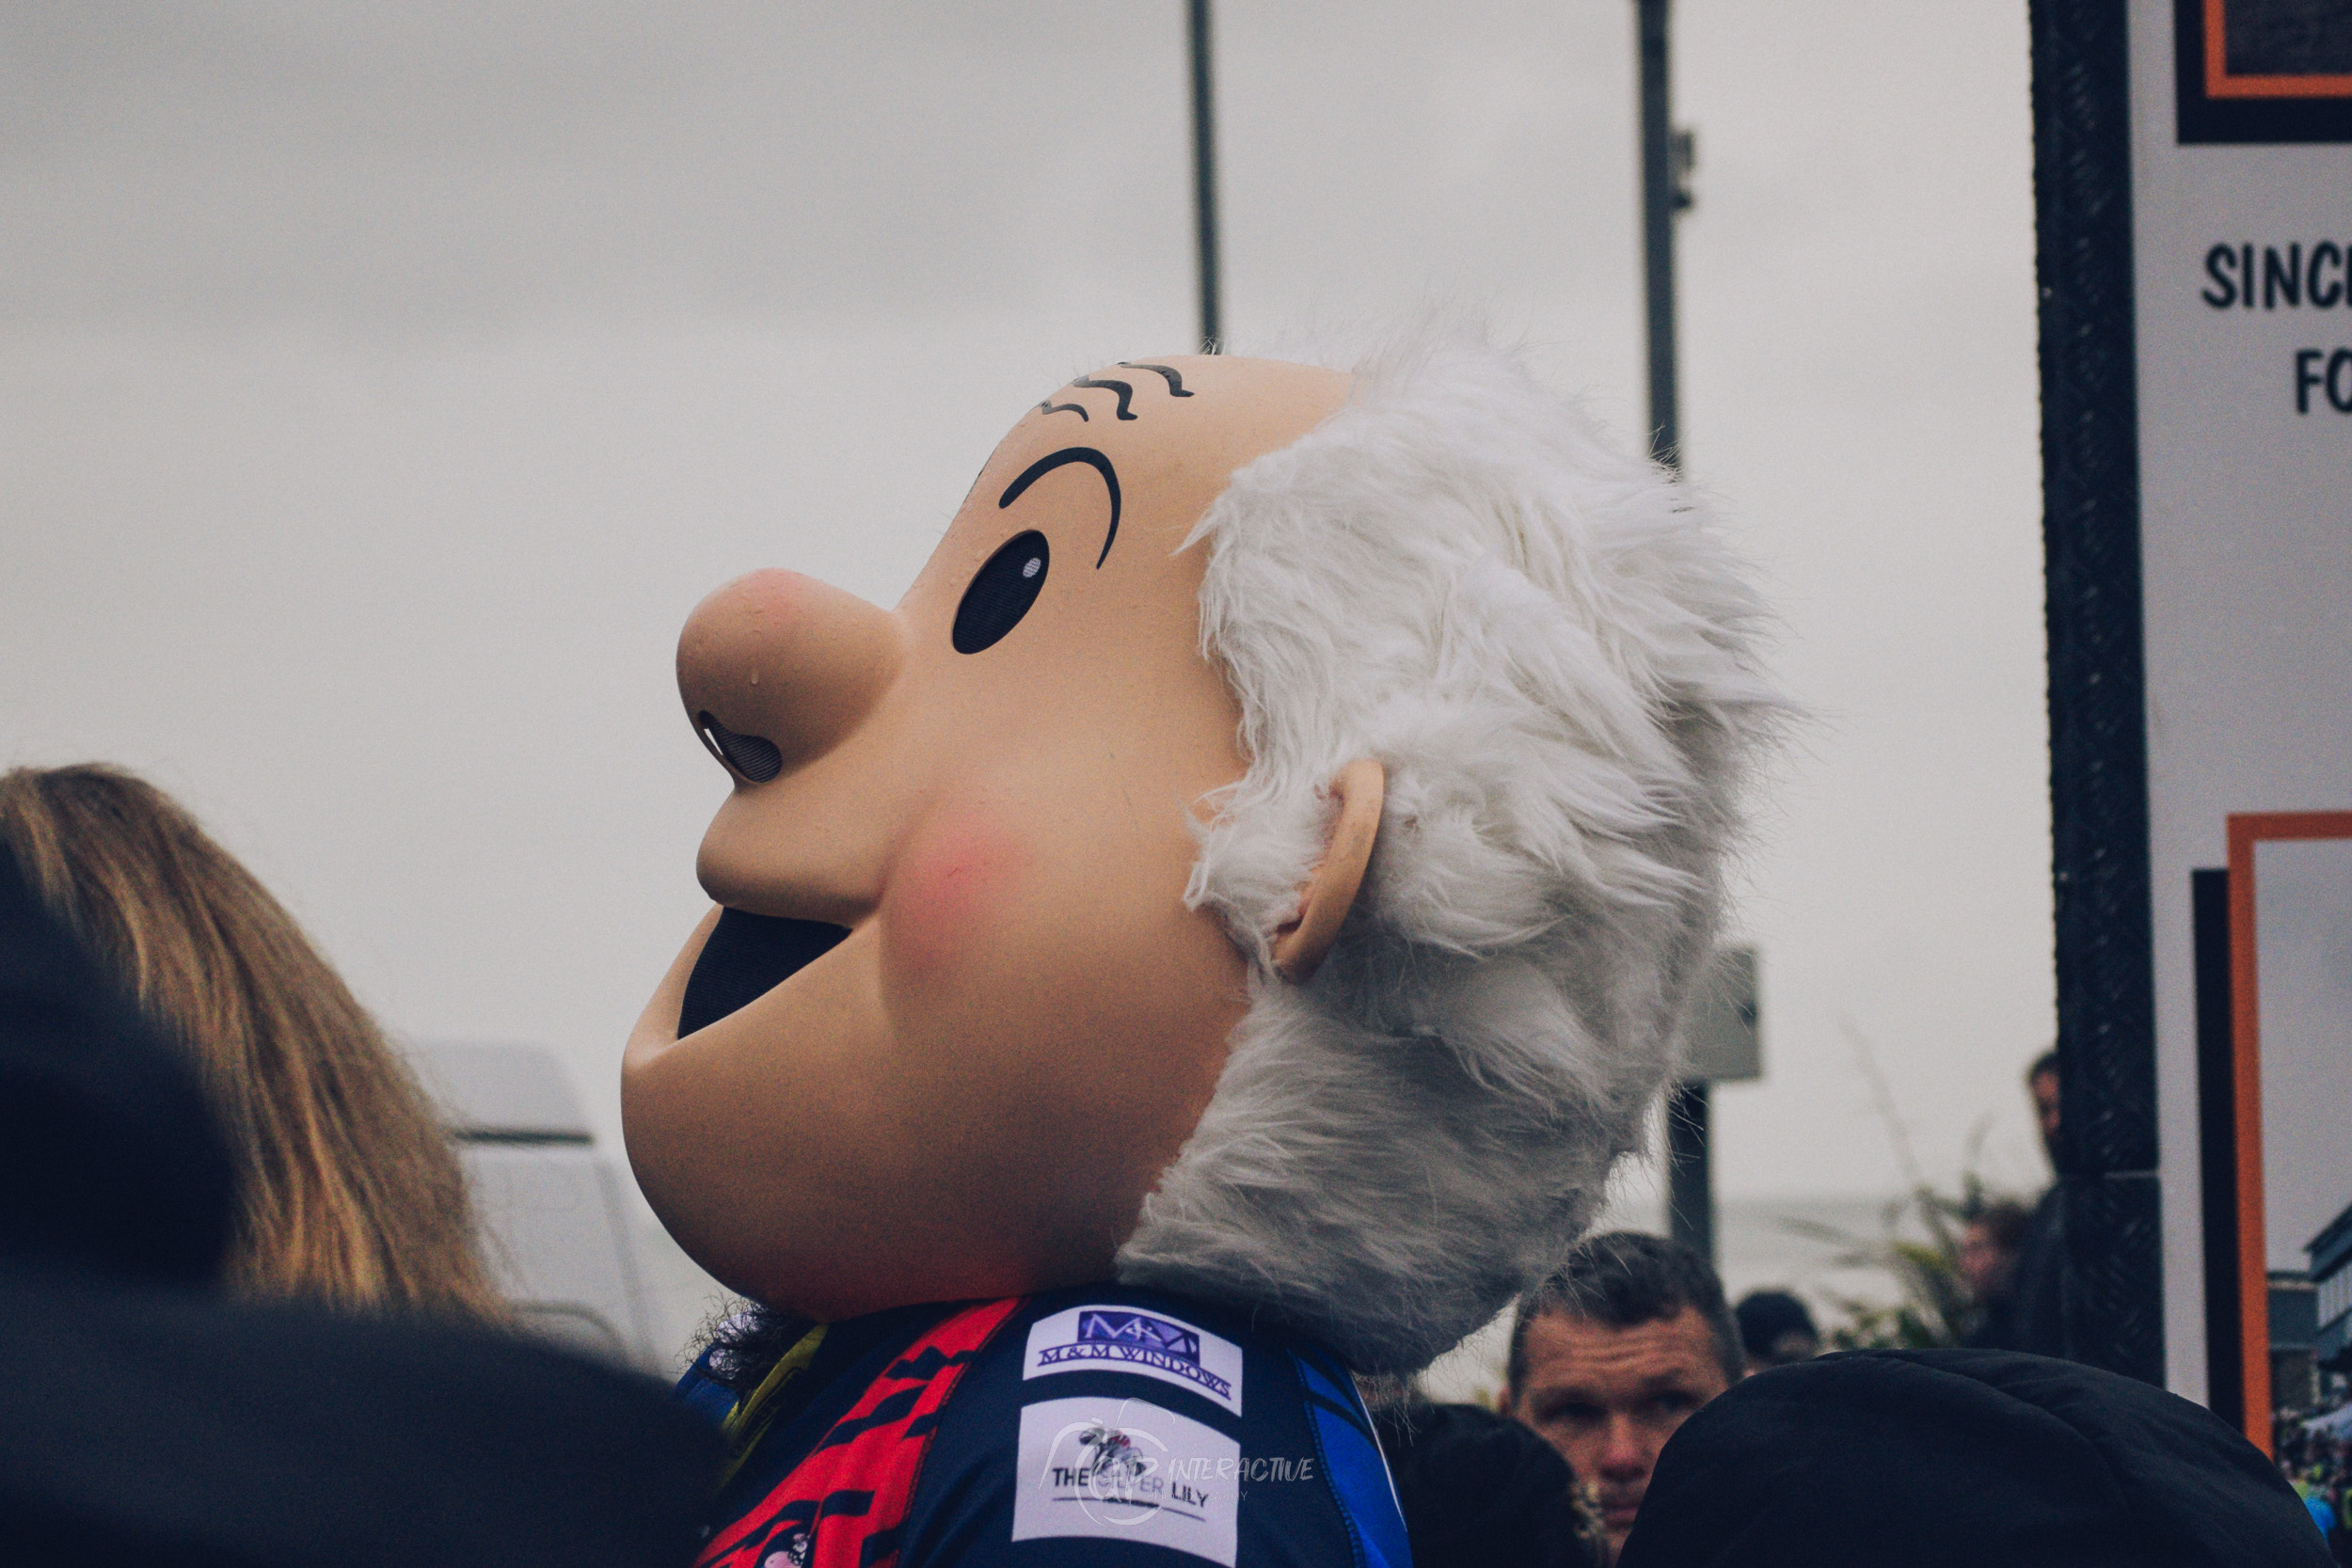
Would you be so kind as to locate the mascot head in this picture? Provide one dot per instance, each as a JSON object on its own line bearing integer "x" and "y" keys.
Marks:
{"x": 1264, "y": 855}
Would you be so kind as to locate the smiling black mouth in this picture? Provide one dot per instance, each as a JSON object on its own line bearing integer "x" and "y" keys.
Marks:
{"x": 747, "y": 957}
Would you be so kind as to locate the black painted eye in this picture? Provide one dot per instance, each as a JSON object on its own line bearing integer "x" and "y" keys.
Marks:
{"x": 1001, "y": 592}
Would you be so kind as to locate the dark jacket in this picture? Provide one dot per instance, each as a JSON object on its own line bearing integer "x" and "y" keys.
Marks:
{"x": 2038, "y": 1307}
{"x": 1963, "y": 1459}
{"x": 1478, "y": 1490}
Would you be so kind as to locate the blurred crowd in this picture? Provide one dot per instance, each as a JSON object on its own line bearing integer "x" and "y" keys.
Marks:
{"x": 2318, "y": 1464}
{"x": 243, "y": 1319}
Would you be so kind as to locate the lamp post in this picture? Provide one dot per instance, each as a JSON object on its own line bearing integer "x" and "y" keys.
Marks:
{"x": 1204, "y": 178}
{"x": 1666, "y": 156}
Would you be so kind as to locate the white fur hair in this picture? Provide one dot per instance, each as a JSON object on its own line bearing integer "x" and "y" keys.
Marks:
{"x": 1543, "y": 644}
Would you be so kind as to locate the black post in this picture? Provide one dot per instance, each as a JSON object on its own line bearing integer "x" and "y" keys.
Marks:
{"x": 1690, "y": 1175}
{"x": 1204, "y": 179}
{"x": 1660, "y": 202}
{"x": 2216, "y": 1146}
{"x": 2107, "y": 1151}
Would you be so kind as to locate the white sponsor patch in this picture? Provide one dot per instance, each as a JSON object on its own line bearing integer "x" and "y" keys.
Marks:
{"x": 1127, "y": 1470}
{"x": 1130, "y": 1339}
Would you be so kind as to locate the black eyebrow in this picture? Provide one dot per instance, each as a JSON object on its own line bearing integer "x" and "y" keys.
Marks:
{"x": 1050, "y": 406}
{"x": 1126, "y": 393}
{"x": 1175, "y": 382}
{"x": 1063, "y": 458}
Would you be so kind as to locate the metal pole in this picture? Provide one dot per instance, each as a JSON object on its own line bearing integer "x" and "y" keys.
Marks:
{"x": 2108, "y": 1156}
{"x": 1690, "y": 1170}
{"x": 1661, "y": 200}
{"x": 1204, "y": 179}
{"x": 1689, "y": 1173}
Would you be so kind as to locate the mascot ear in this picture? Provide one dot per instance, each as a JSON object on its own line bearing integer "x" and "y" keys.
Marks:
{"x": 1329, "y": 891}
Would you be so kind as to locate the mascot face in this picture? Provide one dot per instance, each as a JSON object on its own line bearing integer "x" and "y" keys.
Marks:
{"x": 991, "y": 790}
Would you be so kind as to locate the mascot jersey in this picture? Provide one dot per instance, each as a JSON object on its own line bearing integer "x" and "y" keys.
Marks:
{"x": 1095, "y": 1425}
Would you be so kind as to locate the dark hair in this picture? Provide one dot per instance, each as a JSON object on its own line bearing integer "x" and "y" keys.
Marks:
{"x": 745, "y": 1341}
{"x": 2004, "y": 1223}
{"x": 1624, "y": 1279}
{"x": 1768, "y": 1317}
{"x": 1478, "y": 1487}
{"x": 2047, "y": 1062}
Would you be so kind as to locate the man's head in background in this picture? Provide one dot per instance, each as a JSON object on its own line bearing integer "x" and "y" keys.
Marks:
{"x": 1988, "y": 1251}
{"x": 2041, "y": 1081}
{"x": 1775, "y": 1328}
{"x": 1614, "y": 1352}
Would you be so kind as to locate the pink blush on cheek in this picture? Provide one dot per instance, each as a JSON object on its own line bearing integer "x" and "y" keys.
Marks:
{"x": 946, "y": 896}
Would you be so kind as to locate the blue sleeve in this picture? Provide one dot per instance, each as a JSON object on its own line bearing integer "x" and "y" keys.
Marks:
{"x": 704, "y": 1394}
{"x": 1113, "y": 1426}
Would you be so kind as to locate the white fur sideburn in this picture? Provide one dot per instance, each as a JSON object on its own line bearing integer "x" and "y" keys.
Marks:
{"x": 1544, "y": 645}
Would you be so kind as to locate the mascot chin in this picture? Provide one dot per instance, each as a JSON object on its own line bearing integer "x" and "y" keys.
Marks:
{"x": 1211, "y": 939}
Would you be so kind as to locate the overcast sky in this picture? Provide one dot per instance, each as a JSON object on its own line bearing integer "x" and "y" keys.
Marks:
{"x": 380, "y": 388}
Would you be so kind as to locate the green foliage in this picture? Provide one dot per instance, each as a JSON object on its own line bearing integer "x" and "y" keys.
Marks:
{"x": 1919, "y": 1240}
{"x": 1919, "y": 1248}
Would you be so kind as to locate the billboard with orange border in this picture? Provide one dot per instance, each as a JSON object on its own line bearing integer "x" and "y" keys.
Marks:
{"x": 2264, "y": 70}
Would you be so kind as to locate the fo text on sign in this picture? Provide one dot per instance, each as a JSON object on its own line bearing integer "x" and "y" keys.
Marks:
{"x": 2293, "y": 277}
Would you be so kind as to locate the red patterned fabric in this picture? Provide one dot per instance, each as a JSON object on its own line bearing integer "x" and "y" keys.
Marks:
{"x": 842, "y": 1505}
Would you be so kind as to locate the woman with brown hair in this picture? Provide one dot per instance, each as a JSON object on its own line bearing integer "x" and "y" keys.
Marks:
{"x": 349, "y": 1190}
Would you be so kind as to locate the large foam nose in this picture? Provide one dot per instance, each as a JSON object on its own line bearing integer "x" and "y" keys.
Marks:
{"x": 777, "y": 668}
